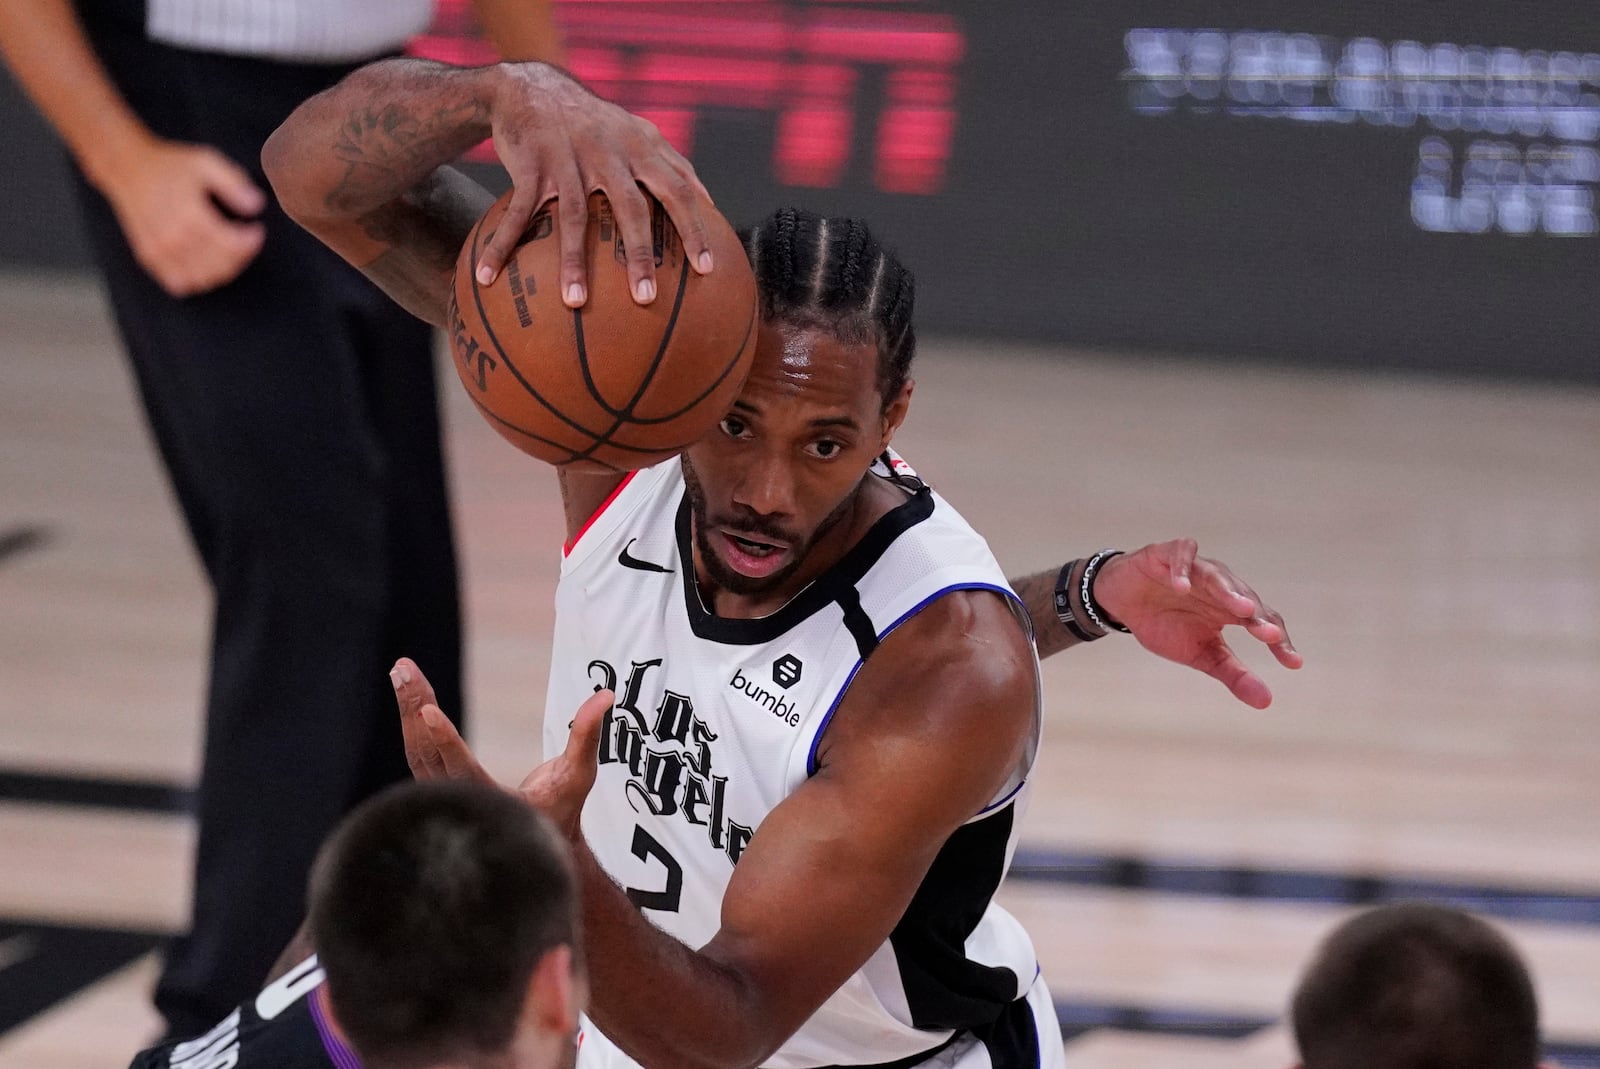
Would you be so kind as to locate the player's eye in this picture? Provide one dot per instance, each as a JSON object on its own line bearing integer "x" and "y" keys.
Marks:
{"x": 733, "y": 426}
{"x": 826, "y": 449}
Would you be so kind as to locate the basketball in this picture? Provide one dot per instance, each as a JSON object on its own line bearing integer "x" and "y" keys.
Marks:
{"x": 614, "y": 385}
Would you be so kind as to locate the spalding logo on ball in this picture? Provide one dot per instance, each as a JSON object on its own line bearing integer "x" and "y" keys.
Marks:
{"x": 614, "y": 385}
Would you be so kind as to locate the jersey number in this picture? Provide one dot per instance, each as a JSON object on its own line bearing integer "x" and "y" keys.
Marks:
{"x": 666, "y": 899}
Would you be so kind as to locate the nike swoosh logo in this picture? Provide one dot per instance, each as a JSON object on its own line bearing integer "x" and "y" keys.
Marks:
{"x": 628, "y": 560}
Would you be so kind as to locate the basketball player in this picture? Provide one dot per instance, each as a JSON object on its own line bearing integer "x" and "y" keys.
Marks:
{"x": 1416, "y": 986}
{"x": 445, "y": 919}
{"x": 790, "y": 823}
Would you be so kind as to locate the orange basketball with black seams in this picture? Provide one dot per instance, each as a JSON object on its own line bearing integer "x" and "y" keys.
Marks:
{"x": 614, "y": 385}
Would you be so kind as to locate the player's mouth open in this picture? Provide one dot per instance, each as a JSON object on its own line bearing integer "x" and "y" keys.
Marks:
{"x": 753, "y": 556}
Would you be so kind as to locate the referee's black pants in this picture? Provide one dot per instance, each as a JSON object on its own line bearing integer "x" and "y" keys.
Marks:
{"x": 296, "y": 412}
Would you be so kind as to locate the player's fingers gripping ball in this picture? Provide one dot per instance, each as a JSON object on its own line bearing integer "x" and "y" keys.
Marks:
{"x": 614, "y": 385}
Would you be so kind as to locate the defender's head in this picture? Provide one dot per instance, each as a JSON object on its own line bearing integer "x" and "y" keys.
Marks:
{"x": 828, "y": 388}
{"x": 445, "y": 917}
{"x": 1416, "y": 986}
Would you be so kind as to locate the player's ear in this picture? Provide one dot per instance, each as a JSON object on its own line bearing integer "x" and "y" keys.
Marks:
{"x": 894, "y": 412}
{"x": 556, "y": 992}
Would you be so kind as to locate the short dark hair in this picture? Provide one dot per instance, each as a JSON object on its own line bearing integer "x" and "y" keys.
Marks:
{"x": 430, "y": 906}
{"x": 1416, "y": 986}
{"x": 830, "y": 273}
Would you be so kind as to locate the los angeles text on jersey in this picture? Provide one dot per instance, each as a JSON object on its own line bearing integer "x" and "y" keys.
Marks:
{"x": 668, "y": 756}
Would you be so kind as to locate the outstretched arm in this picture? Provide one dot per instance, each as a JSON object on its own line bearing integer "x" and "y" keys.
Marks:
{"x": 1175, "y": 603}
{"x": 363, "y": 167}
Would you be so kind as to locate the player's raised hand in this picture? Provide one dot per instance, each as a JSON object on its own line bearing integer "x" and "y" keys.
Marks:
{"x": 434, "y": 748}
{"x": 558, "y": 140}
{"x": 559, "y": 787}
{"x": 169, "y": 198}
{"x": 1177, "y": 602}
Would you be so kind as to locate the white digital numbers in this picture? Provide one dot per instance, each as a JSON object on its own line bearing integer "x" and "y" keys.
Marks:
{"x": 1515, "y": 145}
{"x": 1506, "y": 187}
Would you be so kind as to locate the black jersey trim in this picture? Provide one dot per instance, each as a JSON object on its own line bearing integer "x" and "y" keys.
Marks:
{"x": 857, "y": 620}
{"x": 1012, "y": 1040}
{"x": 944, "y": 988}
{"x": 827, "y": 718}
{"x": 909, "y": 1060}
{"x": 827, "y": 589}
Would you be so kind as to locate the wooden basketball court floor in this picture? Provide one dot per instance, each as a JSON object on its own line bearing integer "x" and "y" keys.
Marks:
{"x": 1435, "y": 546}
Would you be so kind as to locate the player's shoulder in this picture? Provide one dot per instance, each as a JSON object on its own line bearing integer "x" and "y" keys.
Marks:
{"x": 277, "y": 1029}
{"x": 948, "y": 703}
{"x": 974, "y": 635}
{"x": 962, "y": 667}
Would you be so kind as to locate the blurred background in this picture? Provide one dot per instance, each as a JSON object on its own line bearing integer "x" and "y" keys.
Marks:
{"x": 1314, "y": 284}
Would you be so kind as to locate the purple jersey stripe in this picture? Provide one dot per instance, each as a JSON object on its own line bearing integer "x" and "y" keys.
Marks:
{"x": 338, "y": 1052}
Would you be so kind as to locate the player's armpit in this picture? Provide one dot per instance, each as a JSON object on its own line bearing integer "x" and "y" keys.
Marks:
{"x": 420, "y": 237}
{"x": 408, "y": 247}
{"x": 584, "y": 497}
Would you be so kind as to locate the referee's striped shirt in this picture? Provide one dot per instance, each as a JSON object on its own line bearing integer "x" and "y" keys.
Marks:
{"x": 334, "y": 31}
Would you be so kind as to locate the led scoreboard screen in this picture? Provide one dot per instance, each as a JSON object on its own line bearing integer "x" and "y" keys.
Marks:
{"x": 1360, "y": 183}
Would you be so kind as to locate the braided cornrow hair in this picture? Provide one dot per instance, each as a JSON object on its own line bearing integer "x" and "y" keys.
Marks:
{"x": 830, "y": 273}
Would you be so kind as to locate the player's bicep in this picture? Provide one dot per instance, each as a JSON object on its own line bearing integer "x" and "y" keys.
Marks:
{"x": 408, "y": 247}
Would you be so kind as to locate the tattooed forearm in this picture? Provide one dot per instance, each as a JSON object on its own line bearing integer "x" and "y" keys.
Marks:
{"x": 363, "y": 167}
{"x": 376, "y": 135}
{"x": 423, "y": 231}
{"x": 386, "y": 146}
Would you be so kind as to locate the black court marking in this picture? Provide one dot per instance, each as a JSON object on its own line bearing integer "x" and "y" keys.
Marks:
{"x": 1554, "y": 905}
{"x": 493, "y": 339}
{"x": 141, "y": 796}
{"x": 42, "y": 964}
{"x": 1079, "y": 1017}
{"x": 623, "y": 416}
{"x": 15, "y": 541}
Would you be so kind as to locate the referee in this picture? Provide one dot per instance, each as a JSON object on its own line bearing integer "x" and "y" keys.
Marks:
{"x": 295, "y": 411}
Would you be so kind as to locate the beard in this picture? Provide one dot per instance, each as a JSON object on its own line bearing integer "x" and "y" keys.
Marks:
{"x": 751, "y": 525}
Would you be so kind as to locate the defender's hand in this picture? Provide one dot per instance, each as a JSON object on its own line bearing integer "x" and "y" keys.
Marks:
{"x": 166, "y": 195}
{"x": 1176, "y": 603}
{"x": 558, "y": 140}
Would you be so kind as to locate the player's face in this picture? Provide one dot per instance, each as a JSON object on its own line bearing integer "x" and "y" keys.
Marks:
{"x": 772, "y": 487}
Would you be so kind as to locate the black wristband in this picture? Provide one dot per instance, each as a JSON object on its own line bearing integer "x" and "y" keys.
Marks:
{"x": 1096, "y": 611}
{"x": 1063, "y": 600}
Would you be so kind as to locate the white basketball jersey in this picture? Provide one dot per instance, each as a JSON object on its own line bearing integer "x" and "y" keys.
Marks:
{"x": 718, "y": 720}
